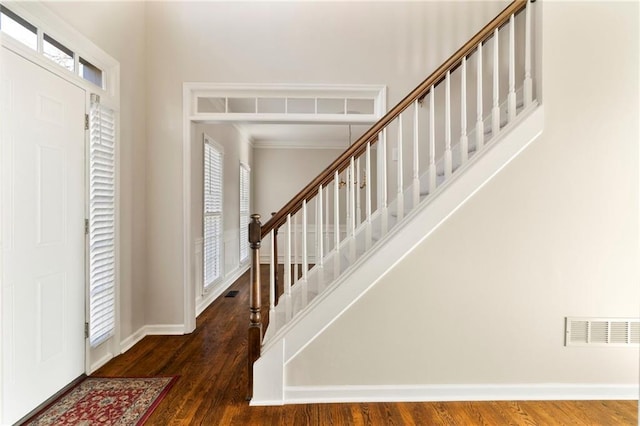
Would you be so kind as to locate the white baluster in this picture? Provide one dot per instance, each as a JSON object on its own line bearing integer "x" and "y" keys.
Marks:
{"x": 384, "y": 221}
{"x": 511, "y": 97}
{"x": 326, "y": 219}
{"x": 320, "y": 250}
{"x": 400, "y": 170}
{"x": 383, "y": 170}
{"x": 352, "y": 204}
{"x": 416, "y": 157}
{"x": 287, "y": 259}
{"x": 305, "y": 255}
{"x": 528, "y": 83}
{"x": 352, "y": 195}
{"x": 272, "y": 275}
{"x": 464, "y": 142}
{"x": 479, "y": 118}
{"x": 368, "y": 183}
{"x": 495, "y": 112}
{"x": 356, "y": 189}
{"x": 296, "y": 272}
{"x": 432, "y": 140}
{"x": 347, "y": 195}
{"x": 336, "y": 211}
{"x": 448, "y": 158}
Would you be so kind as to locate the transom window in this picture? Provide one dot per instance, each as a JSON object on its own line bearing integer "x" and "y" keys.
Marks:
{"x": 26, "y": 33}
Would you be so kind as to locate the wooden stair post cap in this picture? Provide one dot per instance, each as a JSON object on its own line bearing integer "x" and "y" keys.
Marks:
{"x": 254, "y": 231}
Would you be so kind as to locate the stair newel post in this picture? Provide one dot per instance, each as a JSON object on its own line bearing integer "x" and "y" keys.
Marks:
{"x": 511, "y": 97}
{"x": 274, "y": 254}
{"x": 528, "y": 83}
{"x": 479, "y": 113}
{"x": 255, "y": 319}
{"x": 495, "y": 111}
{"x": 464, "y": 142}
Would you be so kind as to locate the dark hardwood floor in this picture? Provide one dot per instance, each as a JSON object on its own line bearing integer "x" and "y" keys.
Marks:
{"x": 211, "y": 363}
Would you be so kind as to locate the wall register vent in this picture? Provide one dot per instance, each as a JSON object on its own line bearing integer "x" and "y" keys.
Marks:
{"x": 602, "y": 331}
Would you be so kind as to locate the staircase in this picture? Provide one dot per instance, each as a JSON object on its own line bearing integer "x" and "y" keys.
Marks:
{"x": 389, "y": 190}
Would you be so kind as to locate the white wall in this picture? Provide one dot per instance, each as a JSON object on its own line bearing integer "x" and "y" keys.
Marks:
{"x": 119, "y": 29}
{"x": 555, "y": 234}
{"x": 396, "y": 44}
{"x": 281, "y": 173}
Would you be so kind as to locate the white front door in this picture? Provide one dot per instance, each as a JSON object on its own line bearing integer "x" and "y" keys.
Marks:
{"x": 42, "y": 235}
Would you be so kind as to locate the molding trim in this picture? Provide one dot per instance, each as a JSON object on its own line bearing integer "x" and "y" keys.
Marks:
{"x": 164, "y": 329}
{"x": 473, "y": 392}
{"x": 135, "y": 337}
{"x": 99, "y": 363}
{"x": 218, "y": 289}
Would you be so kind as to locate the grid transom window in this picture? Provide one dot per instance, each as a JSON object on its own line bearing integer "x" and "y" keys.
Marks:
{"x": 244, "y": 211}
{"x": 212, "y": 211}
{"x": 34, "y": 37}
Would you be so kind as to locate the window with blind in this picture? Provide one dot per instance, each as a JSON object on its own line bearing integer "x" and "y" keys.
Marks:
{"x": 212, "y": 211}
{"x": 245, "y": 186}
{"x": 102, "y": 265}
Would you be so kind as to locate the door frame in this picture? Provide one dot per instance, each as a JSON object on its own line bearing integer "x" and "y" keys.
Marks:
{"x": 191, "y": 91}
{"x": 47, "y": 22}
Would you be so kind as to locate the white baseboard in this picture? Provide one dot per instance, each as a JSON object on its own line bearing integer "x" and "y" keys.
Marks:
{"x": 134, "y": 338}
{"x": 164, "y": 329}
{"x": 214, "y": 293}
{"x": 99, "y": 363}
{"x": 150, "y": 330}
{"x": 439, "y": 393}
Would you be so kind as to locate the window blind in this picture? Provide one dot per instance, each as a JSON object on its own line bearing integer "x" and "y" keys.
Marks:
{"x": 212, "y": 212}
{"x": 102, "y": 138}
{"x": 244, "y": 212}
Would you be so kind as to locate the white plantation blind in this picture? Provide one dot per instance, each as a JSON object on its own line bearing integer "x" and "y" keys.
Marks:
{"x": 212, "y": 211}
{"x": 102, "y": 137}
{"x": 244, "y": 212}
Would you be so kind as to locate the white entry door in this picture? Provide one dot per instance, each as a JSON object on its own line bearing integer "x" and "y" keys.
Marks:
{"x": 42, "y": 235}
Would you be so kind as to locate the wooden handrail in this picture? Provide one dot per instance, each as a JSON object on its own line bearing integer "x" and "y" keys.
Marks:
{"x": 359, "y": 147}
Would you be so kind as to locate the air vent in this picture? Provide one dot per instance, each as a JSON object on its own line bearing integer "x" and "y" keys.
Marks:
{"x": 602, "y": 331}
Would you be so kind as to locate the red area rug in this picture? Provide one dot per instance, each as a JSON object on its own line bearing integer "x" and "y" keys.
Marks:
{"x": 106, "y": 401}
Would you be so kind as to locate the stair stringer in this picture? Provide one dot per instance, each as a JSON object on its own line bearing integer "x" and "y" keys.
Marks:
{"x": 269, "y": 369}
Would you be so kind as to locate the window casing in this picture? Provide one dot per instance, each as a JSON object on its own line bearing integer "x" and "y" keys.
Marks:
{"x": 245, "y": 197}
{"x": 212, "y": 214}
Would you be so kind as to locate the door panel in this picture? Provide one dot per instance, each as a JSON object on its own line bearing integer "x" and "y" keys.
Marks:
{"x": 43, "y": 193}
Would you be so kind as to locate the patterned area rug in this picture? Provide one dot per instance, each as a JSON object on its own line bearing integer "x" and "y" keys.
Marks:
{"x": 106, "y": 401}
